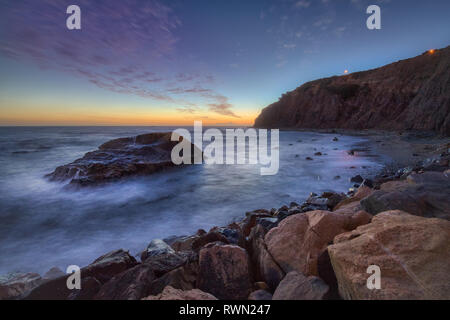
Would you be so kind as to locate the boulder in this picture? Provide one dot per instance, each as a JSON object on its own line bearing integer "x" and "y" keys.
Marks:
{"x": 102, "y": 269}
{"x": 14, "y": 285}
{"x": 425, "y": 195}
{"x": 132, "y": 284}
{"x": 412, "y": 253}
{"x": 298, "y": 241}
{"x": 170, "y": 293}
{"x": 295, "y": 286}
{"x": 224, "y": 271}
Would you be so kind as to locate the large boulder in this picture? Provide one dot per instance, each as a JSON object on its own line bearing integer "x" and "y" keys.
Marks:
{"x": 425, "y": 195}
{"x": 13, "y": 285}
{"x": 132, "y": 284}
{"x": 102, "y": 270}
{"x": 170, "y": 293}
{"x": 412, "y": 253}
{"x": 298, "y": 241}
{"x": 295, "y": 286}
{"x": 141, "y": 155}
{"x": 224, "y": 271}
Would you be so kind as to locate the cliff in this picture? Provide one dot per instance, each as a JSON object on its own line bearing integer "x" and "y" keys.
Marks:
{"x": 408, "y": 94}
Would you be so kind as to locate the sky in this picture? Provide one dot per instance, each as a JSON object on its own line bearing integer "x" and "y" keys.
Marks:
{"x": 156, "y": 62}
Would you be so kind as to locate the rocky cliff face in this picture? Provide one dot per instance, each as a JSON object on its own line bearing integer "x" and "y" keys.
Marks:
{"x": 409, "y": 94}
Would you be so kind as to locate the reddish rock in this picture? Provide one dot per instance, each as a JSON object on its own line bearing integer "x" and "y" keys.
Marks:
{"x": 295, "y": 286}
{"x": 412, "y": 253}
{"x": 132, "y": 284}
{"x": 298, "y": 241}
{"x": 224, "y": 271}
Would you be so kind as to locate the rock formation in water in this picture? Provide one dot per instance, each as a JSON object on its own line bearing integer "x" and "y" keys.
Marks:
{"x": 411, "y": 94}
{"x": 141, "y": 155}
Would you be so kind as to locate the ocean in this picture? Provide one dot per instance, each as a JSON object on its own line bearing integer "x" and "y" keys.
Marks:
{"x": 44, "y": 225}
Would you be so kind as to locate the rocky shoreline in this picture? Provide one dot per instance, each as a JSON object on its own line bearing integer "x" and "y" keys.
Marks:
{"x": 320, "y": 249}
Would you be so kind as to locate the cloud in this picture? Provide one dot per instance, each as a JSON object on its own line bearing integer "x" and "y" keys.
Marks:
{"x": 302, "y": 4}
{"x": 223, "y": 107}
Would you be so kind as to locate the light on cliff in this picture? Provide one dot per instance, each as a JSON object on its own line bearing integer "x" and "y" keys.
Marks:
{"x": 345, "y": 71}
{"x": 431, "y": 51}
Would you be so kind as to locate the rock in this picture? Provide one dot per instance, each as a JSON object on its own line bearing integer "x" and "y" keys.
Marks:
{"x": 357, "y": 179}
{"x": 362, "y": 192}
{"x": 155, "y": 248}
{"x": 267, "y": 223}
{"x": 318, "y": 153}
{"x": 295, "y": 286}
{"x": 251, "y": 220}
{"x": 326, "y": 273}
{"x": 424, "y": 195}
{"x": 224, "y": 271}
{"x": 119, "y": 158}
{"x": 260, "y": 295}
{"x": 184, "y": 278}
{"x": 163, "y": 263}
{"x": 367, "y": 183}
{"x": 184, "y": 243}
{"x": 308, "y": 158}
{"x": 132, "y": 284}
{"x": 335, "y": 139}
{"x": 102, "y": 269}
{"x": 170, "y": 293}
{"x": 412, "y": 253}
{"x": 14, "y": 285}
{"x": 411, "y": 94}
{"x": 212, "y": 236}
{"x": 89, "y": 288}
{"x": 265, "y": 267}
{"x": 298, "y": 241}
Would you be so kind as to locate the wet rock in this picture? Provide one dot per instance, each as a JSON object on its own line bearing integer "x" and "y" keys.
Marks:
{"x": 298, "y": 241}
{"x": 119, "y": 158}
{"x": 14, "y": 285}
{"x": 308, "y": 158}
{"x": 251, "y": 220}
{"x": 260, "y": 295}
{"x": 166, "y": 262}
{"x": 420, "y": 194}
{"x": 335, "y": 139}
{"x": 318, "y": 153}
{"x": 170, "y": 293}
{"x": 132, "y": 284}
{"x": 357, "y": 179}
{"x": 295, "y": 286}
{"x": 224, "y": 271}
{"x": 411, "y": 251}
